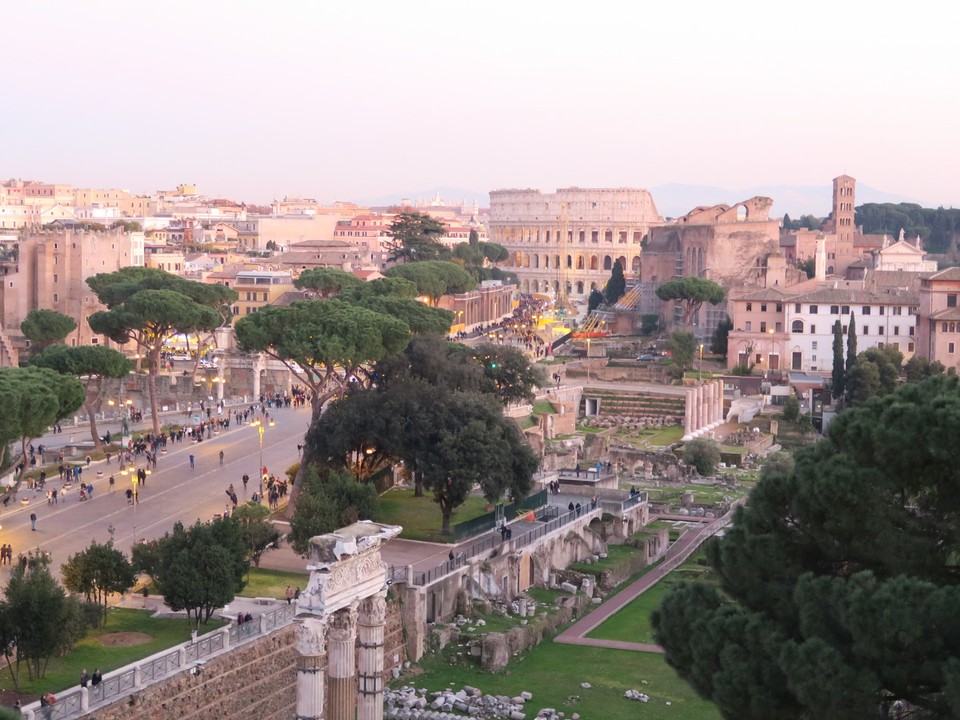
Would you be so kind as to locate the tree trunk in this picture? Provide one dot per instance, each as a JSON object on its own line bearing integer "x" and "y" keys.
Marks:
{"x": 88, "y": 406}
{"x": 447, "y": 512}
{"x": 307, "y": 457}
{"x": 417, "y": 484}
{"x": 152, "y": 369}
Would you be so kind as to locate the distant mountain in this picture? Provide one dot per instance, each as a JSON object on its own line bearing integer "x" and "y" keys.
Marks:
{"x": 674, "y": 200}
{"x": 451, "y": 195}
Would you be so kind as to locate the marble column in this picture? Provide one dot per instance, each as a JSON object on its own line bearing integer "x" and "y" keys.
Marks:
{"x": 698, "y": 420}
{"x": 371, "y": 622}
{"x": 688, "y": 413}
{"x": 342, "y": 664}
{"x": 311, "y": 647}
{"x": 711, "y": 403}
{"x": 720, "y": 417}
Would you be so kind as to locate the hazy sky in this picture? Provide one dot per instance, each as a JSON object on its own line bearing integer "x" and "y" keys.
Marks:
{"x": 349, "y": 99}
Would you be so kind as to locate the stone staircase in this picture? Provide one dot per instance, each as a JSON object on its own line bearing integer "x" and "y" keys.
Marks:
{"x": 635, "y": 404}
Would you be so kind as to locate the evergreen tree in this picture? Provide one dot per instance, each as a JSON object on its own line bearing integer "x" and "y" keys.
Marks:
{"x": 838, "y": 366}
{"x": 616, "y": 285}
{"x": 851, "y": 343}
{"x": 718, "y": 343}
{"x": 595, "y": 300}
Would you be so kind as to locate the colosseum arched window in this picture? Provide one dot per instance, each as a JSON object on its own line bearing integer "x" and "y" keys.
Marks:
{"x": 607, "y": 262}
{"x": 579, "y": 262}
{"x": 594, "y": 262}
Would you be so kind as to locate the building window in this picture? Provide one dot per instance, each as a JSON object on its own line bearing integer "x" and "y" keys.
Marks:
{"x": 796, "y": 307}
{"x": 896, "y": 345}
{"x": 881, "y": 309}
{"x": 834, "y": 309}
{"x": 813, "y": 309}
{"x": 943, "y": 327}
{"x": 749, "y": 326}
{"x": 94, "y": 341}
{"x": 866, "y": 330}
{"x": 911, "y": 329}
{"x": 896, "y": 330}
{"x": 814, "y": 345}
{"x": 56, "y": 297}
{"x": 845, "y": 310}
{"x": 749, "y": 307}
{"x": 950, "y": 348}
{"x": 909, "y": 347}
{"x": 813, "y": 329}
{"x": 779, "y": 327}
{"x": 952, "y": 300}
{"x": 797, "y": 326}
{"x": 897, "y": 310}
{"x": 814, "y": 358}
{"x": 866, "y": 309}
{"x": 763, "y": 327}
{"x": 763, "y": 307}
{"x": 779, "y": 307}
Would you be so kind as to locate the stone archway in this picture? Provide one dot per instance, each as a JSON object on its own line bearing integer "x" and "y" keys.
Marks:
{"x": 341, "y": 618}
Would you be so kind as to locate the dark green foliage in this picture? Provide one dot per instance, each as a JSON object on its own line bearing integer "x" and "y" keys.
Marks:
{"x": 329, "y": 503}
{"x": 259, "y": 532}
{"x": 691, "y": 293}
{"x": 616, "y": 286}
{"x": 46, "y": 327}
{"x": 91, "y": 364}
{"x": 416, "y": 236}
{"x": 703, "y": 454}
{"x": 434, "y": 278}
{"x": 791, "y": 409}
{"x": 33, "y": 400}
{"x": 37, "y": 618}
{"x": 809, "y": 266}
{"x": 839, "y": 371}
{"x": 718, "y": 343}
{"x": 851, "y": 342}
{"x": 875, "y": 372}
{"x": 198, "y": 569}
{"x": 838, "y": 585}
{"x": 919, "y": 368}
{"x": 683, "y": 351}
{"x": 650, "y": 323}
{"x": 937, "y": 227}
{"x": 327, "y": 282}
{"x": 595, "y": 300}
{"x": 804, "y": 222}
{"x": 98, "y": 572}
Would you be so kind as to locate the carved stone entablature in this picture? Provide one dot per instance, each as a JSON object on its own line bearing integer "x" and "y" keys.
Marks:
{"x": 342, "y": 625}
{"x": 345, "y": 565}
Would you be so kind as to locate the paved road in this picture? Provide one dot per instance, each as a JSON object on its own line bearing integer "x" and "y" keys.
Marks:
{"x": 172, "y": 493}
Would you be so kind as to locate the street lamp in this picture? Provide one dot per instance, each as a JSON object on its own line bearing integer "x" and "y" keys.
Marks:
{"x": 258, "y": 424}
{"x": 700, "y": 365}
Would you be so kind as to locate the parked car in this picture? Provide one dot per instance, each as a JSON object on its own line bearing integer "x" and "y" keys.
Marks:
{"x": 646, "y": 358}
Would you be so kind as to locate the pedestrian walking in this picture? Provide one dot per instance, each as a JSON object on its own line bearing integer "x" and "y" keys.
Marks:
{"x": 84, "y": 678}
{"x": 221, "y": 457}
{"x": 111, "y": 482}
{"x": 191, "y": 462}
{"x": 96, "y": 678}
{"x": 246, "y": 479}
{"x": 289, "y": 594}
{"x": 33, "y": 521}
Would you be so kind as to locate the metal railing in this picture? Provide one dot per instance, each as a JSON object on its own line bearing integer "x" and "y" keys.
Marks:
{"x": 76, "y": 702}
{"x": 488, "y": 521}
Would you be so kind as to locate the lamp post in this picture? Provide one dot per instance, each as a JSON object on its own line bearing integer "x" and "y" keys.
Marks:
{"x": 258, "y": 424}
{"x": 700, "y": 365}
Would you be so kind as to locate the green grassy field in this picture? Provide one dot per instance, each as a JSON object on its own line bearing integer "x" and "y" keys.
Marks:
{"x": 90, "y": 653}
{"x": 616, "y": 554}
{"x": 420, "y": 516}
{"x": 273, "y": 583}
{"x": 553, "y": 673}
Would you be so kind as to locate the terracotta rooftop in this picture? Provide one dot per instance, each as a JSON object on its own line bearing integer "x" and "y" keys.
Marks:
{"x": 952, "y": 273}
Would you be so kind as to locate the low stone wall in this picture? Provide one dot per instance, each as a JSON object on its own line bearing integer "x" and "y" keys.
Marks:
{"x": 254, "y": 681}
{"x": 497, "y": 648}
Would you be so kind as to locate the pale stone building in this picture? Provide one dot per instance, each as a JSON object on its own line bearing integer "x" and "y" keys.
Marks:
{"x": 573, "y": 236}
{"x": 938, "y": 332}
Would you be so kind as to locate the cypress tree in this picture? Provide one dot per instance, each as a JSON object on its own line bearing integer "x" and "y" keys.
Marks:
{"x": 851, "y": 342}
{"x": 838, "y": 366}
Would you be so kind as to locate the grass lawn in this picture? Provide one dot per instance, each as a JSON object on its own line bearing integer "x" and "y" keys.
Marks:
{"x": 420, "y": 516}
{"x": 553, "y": 673}
{"x": 64, "y": 672}
{"x": 668, "y": 435}
{"x": 616, "y": 554}
{"x": 273, "y": 583}
{"x": 632, "y": 622}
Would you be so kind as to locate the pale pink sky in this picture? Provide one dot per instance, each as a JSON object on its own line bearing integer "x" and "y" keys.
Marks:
{"x": 343, "y": 100}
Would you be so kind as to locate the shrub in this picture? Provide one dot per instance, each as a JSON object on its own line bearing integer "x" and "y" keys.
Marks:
{"x": 703, "y": 454}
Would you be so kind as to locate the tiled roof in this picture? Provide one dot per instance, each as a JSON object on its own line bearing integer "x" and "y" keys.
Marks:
{"x": 952, "y": 273}
{"x": 859, "y": 296}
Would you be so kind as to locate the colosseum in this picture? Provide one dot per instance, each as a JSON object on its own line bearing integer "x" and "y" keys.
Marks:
{"x": 601, "y": 227}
